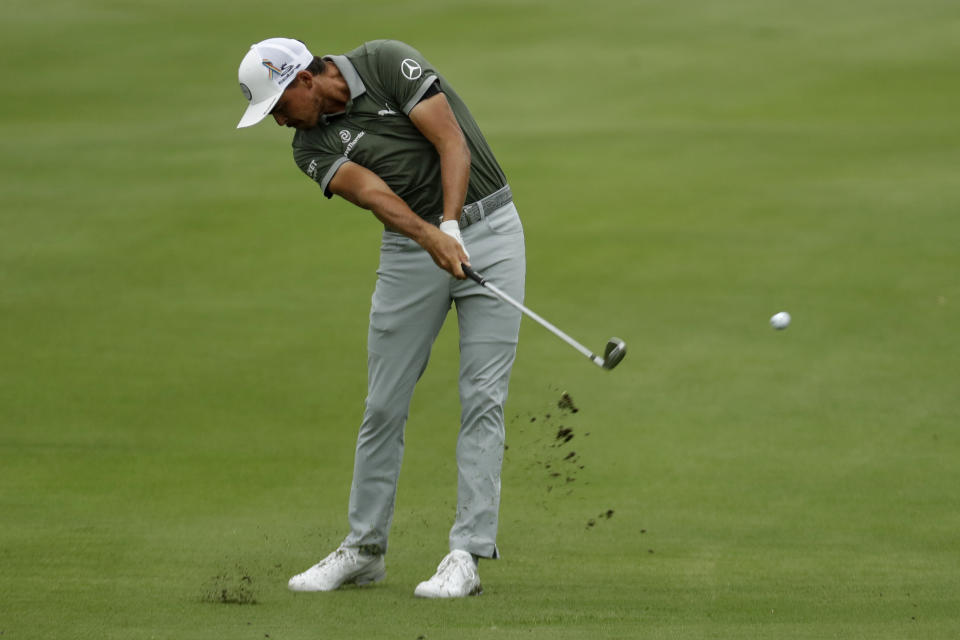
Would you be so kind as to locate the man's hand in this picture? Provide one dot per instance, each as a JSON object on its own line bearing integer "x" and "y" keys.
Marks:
{"x": 446, "y": 249}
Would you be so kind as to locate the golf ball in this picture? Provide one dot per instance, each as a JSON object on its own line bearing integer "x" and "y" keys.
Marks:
{"x": 780, "y": 320}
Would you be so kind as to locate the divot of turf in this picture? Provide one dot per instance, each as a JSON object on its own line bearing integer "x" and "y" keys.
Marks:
{"x": 234, "y": 587}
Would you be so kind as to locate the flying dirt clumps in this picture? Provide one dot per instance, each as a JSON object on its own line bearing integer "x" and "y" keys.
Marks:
{"x": 562, "y": 467}
{"x": 592, "y": 522}
{"x": 566, "y": 403}
{"x": 547, "y": 454}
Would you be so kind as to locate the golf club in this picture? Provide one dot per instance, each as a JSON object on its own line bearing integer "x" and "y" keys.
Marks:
{"x": 616, "y": 348}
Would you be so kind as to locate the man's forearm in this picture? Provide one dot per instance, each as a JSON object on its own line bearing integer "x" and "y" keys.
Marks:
{"x": 438, "y": 124}
{"x": 365, "y": 189}
{"x": 454, "y": 176}
{"x": 394, "y": 213}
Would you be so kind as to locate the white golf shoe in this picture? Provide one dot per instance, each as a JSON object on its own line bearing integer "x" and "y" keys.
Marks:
{"x": 456, "y": 577}
{"x": 346, "y": 565}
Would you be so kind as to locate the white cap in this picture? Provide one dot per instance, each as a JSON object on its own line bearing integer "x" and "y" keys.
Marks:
{"x": 266, "y": 71}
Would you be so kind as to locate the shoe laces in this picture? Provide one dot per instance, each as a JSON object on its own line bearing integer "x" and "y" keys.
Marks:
{"x": 454, "y": 569}
{"x": 341, "y": 556}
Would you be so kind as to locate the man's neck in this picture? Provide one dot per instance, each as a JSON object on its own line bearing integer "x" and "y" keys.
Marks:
{"x": 334, "y": 87}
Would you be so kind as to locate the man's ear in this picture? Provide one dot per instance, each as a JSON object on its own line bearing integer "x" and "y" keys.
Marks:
{"x": 305, "y": 78}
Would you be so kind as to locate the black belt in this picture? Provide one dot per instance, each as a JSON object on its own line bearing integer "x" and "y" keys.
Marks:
{"x": 477, "y": 211}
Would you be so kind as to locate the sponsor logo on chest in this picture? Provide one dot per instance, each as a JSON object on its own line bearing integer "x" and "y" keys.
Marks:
{"x": 349, "y": 140}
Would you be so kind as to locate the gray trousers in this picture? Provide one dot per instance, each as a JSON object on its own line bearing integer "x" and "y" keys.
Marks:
{"x": 409, "y": 305}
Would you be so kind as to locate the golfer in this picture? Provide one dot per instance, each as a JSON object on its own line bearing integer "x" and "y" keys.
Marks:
{"x": 380, "y": 127}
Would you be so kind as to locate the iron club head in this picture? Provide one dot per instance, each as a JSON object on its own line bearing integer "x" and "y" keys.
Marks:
{"x": 614, "y": 353}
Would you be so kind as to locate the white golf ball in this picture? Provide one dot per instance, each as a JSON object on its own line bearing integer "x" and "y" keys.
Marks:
{"x": 780, "y": 320}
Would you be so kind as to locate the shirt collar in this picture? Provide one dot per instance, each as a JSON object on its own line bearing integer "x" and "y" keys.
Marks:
{"x": 354, "y": 82}
{"x": 349, "y": 73}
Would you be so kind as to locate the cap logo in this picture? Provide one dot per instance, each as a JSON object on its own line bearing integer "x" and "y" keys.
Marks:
{"x": 272, "y": 68}
{"x": 281, "y": 73}
{"x": 411, "y": 69}
{"x": 245, "y": 90}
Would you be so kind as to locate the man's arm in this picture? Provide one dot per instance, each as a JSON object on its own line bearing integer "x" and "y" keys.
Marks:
{"x": 435, "y": 120}
{"x": 367, "y": 190}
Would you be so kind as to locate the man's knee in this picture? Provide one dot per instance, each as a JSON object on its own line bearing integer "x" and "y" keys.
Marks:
{"x": 381, "y": 412}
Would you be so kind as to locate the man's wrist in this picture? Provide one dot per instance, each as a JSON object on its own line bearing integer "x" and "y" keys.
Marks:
{"x": 421, "y": 231}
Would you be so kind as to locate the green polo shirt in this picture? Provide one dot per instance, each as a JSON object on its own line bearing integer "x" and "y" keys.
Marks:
{"x": 387, "y": 79}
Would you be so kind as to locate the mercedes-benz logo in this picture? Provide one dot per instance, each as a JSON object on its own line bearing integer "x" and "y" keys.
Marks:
{"x": 411, "y": 69}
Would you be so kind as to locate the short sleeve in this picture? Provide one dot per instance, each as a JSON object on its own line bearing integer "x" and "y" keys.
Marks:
{"x": 319, "y": 166}
{"x": 404, "y": 73}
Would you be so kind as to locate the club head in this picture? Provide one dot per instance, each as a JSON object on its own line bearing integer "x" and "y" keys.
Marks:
{"x": 614, "y": 353}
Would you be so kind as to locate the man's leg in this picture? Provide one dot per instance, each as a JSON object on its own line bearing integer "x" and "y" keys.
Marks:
{"x": 488, "y": 343}
{"x": 411, "y": 300}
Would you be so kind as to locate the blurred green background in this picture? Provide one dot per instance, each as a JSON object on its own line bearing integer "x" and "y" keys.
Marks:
{"x": 183, "y": 323}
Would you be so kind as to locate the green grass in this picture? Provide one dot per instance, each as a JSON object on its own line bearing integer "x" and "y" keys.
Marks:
{"x": 183, "y": 325}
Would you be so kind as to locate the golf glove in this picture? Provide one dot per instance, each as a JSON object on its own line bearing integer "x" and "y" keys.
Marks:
{"x": 452, "y": 229}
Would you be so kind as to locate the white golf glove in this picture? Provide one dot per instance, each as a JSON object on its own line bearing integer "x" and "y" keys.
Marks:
{"x": 452, "y": 229}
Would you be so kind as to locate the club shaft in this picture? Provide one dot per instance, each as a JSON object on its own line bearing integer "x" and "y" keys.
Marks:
{"x": 534, "y": 316}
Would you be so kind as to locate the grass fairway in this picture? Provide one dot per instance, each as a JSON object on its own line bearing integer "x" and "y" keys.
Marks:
{"x": 183, "y": 325}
